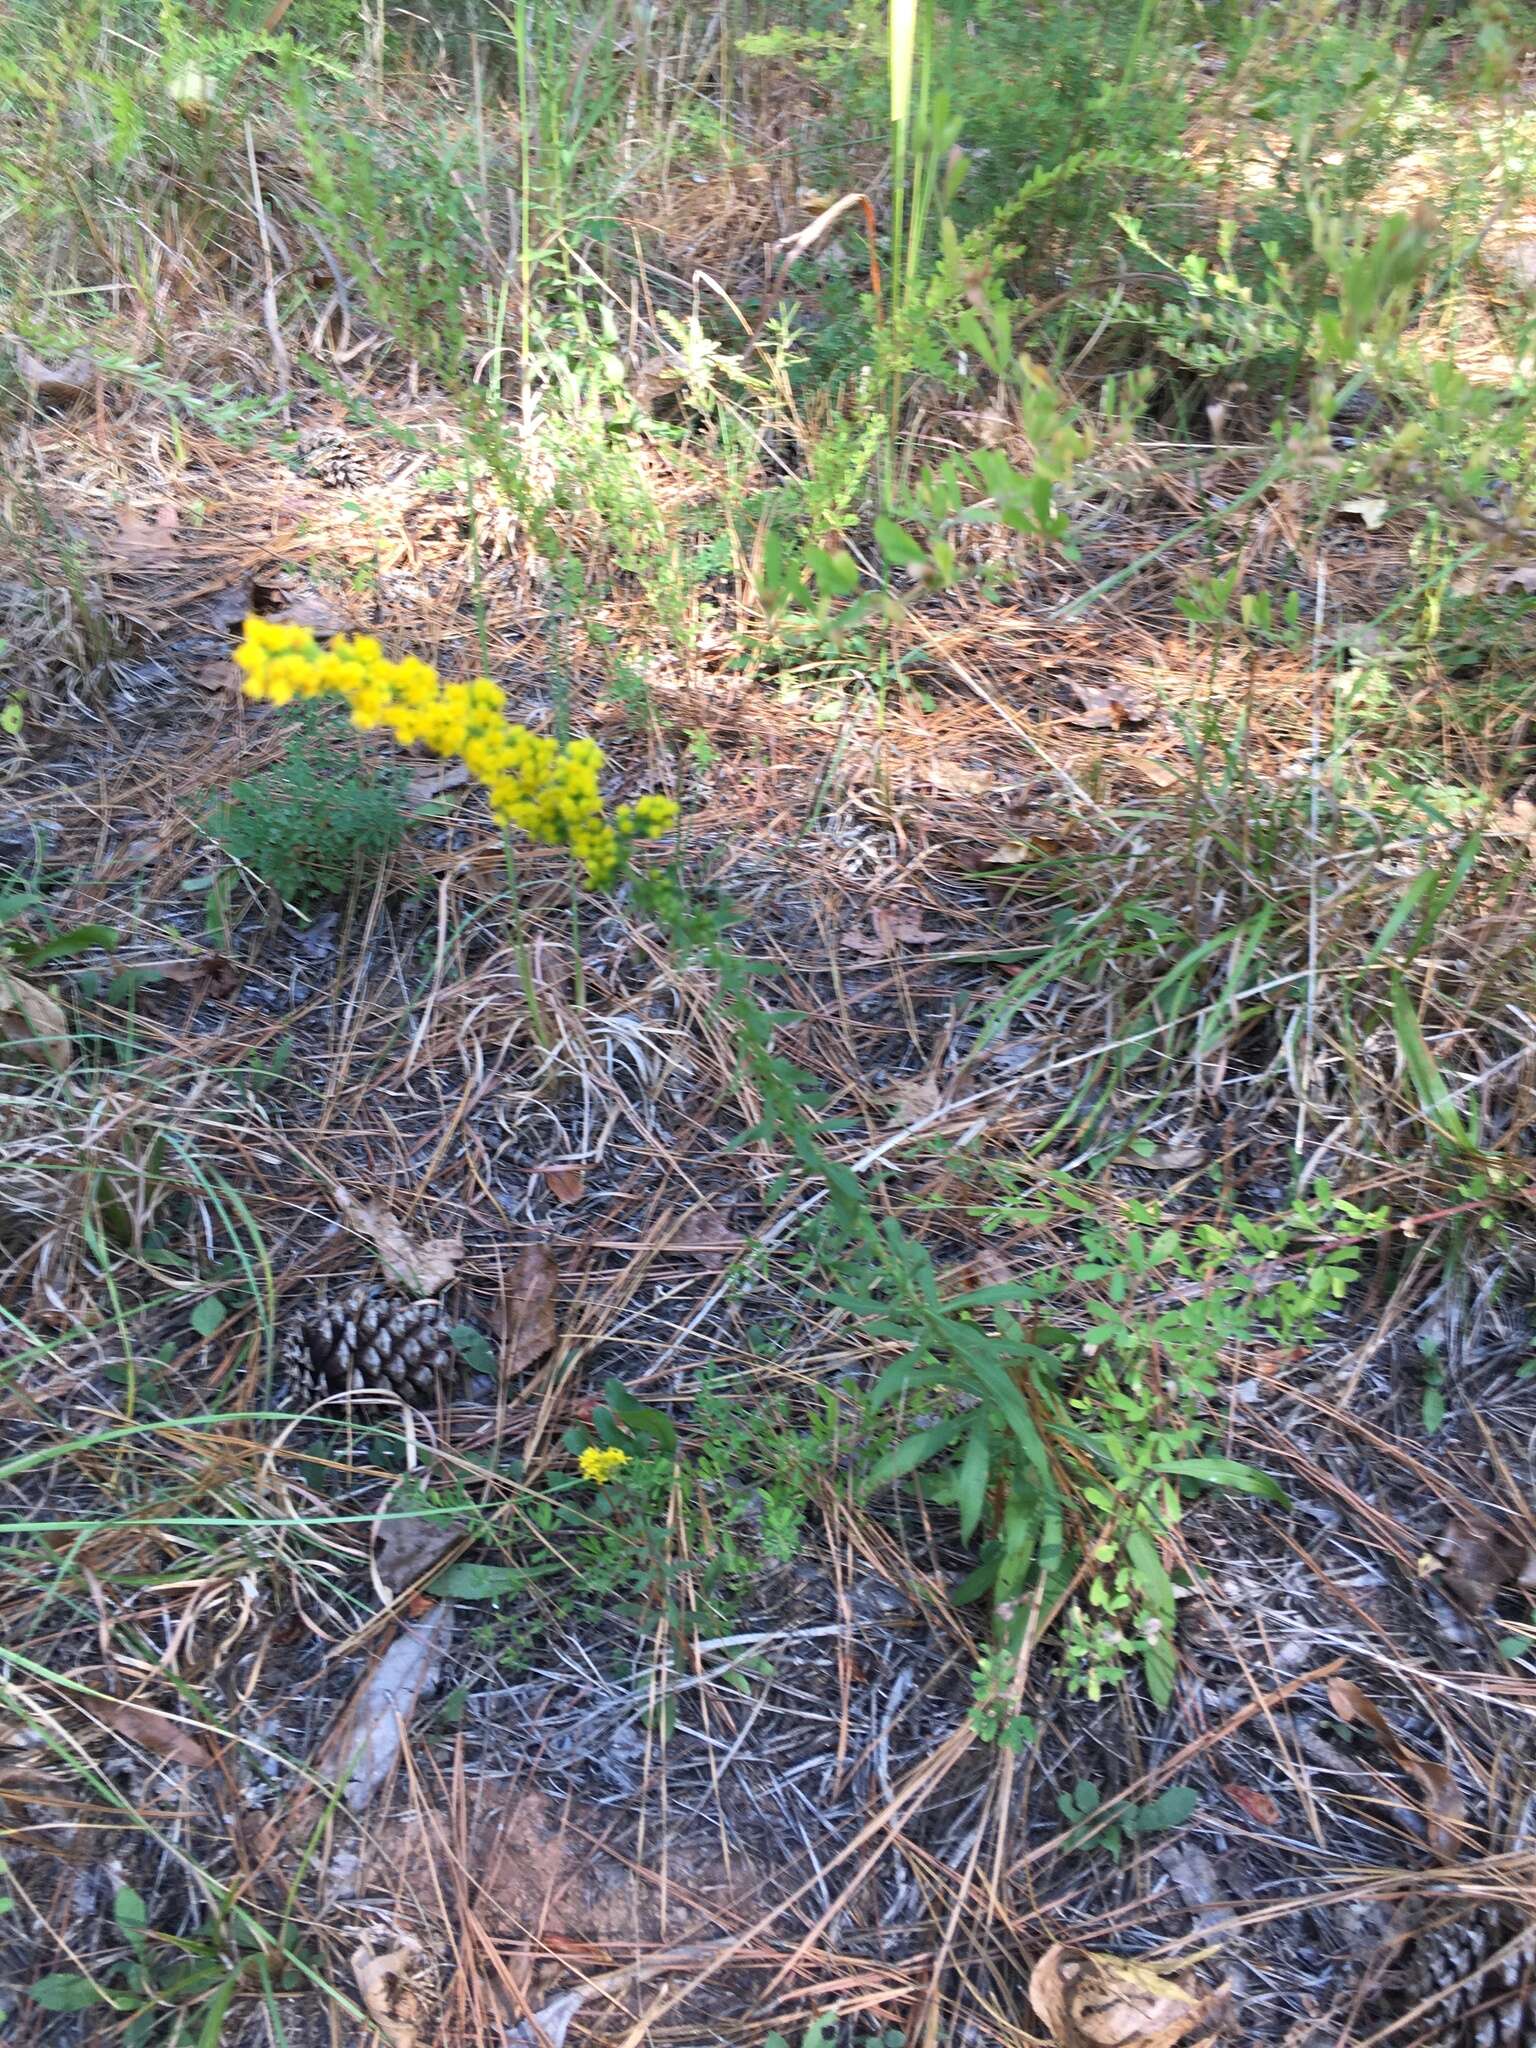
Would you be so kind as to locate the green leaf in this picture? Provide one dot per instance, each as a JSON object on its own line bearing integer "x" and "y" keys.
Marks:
{"x": 1428, "y": 1082}
{"x": 81, "y": 940}
{"x": 208, "y": 1316}
{"x": 64, "y": 1991}
{"x": 131, "y": 1914}
{"x": 1153, "y": 1580}
{"x": 1170, "y": 1809}
{"x": 898, "y": 546}
{"x": 472, "y": 1347}
{"x": 971, "y": 1480}
{"x": 476, "y": 1581}
{"x": 1223, "y": 1472}
{"x": 916, "y": 1450}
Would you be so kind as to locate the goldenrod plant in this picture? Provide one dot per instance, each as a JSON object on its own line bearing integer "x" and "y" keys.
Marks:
{"x": 548, "y": 790}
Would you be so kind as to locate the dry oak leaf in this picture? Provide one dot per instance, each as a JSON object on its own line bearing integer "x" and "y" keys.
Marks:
{"x": 1107, "y": 707}
{"x": 167, "y": 1737}
{"x": 144, "y": 540}
{"x": 1445, "y": 1810}
{"x": 528, "y": 1309}
{"x": 33, "y": 1021}
{"x": 424, "y": 1268}
{"x": 890, "y": 929}
{"x": 393, "y": 2002}
{"x": 1258, "y": 1806}
{"x": 566, "y": 1182}
{"x": 1090, "y": 2000}
{"x": 912, "y": 1099}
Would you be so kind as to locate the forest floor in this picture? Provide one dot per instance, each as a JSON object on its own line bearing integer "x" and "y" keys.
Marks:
{"x": 305, "y": 1718}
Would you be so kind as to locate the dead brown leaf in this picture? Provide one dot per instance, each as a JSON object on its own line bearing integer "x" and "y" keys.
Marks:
{"x": 705, "y": 1238}
{"x": 1258, "y": 1806}
{"x": 1089, "y": 2000}
{"x": 393, "y": 2002}
{"x": 214, "y": 973}
{"x": 424, "y": 1268}
{"x": 407, "y": 1547}
{"x": 309, "y": 608}
{"x": 362, "y": 1747}
{"x": 151, "y": 1729}
{"x": 566, "y": 1183}
{"x": 1107, "y": 707}
{"x": 1481, "y": 1560}
{"x": 145, "y": 539}
{"x": 1445, "y": 1810}
{"x": 890, "y": 930}
{"x": 55, "y": 385}
{"x": 914, "y": 1097}
{"x": 33, "y": 1021}
{"x": 528, "y": 1309}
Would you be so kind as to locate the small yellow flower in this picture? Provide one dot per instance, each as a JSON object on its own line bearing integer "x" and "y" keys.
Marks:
{"x": 601, "y": 1465}
{"x": 549, "y": 791}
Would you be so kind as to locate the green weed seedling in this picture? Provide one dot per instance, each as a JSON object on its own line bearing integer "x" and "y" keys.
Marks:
{"x": 1112, "y": 1827}
{"x": 172, "y": 1991}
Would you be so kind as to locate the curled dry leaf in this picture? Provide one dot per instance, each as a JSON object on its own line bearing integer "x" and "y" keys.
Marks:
{"x": 1371, "y": 512}
{"x": 424, "y": 1268}
{"x": 1107, "y": 707}
{"x": 1258, "y": 1806}
{"x": 1444, "y": 1808}
{"x": 392, "y": 2000}
{"x": 55, "y": 385}
{"x": 33, "y": 1021}
{"x": 364, "y": 1744}
{"x": 1481, "y": 1560}
{"x": 528, "y": 1309}
{"x": 151, "y": 1729}
{"x": 914, "y": 1097}
{"x": 705, "y": 1238}
{"x": 890, "y": 931}
{"x": 145, "y": 539}
{"x": 1090, "y": 2000}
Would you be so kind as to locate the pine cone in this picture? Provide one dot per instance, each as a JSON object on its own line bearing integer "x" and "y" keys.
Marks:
{"x": 370, "y": 1341}
{"x": 1493, "y": 2003}
{"x": 330, "y": 455}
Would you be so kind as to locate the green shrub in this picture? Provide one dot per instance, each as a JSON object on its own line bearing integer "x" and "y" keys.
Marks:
{"x": 321, "y": 818}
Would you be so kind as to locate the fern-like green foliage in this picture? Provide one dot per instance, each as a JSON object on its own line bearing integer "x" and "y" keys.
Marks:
{"x": 319, "y": 819}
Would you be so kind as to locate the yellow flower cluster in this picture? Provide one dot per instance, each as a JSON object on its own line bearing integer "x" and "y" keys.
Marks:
{"x": 601, "y": 1465}
{"x": 547, "y": 790}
